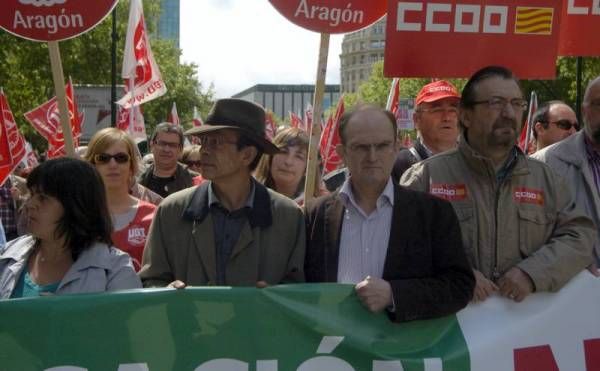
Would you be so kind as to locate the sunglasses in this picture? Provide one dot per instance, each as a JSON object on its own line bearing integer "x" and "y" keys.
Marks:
{"x": 566, "y": 124}
{"x": 192, "y": 163}
{"x": 104, "y": 158}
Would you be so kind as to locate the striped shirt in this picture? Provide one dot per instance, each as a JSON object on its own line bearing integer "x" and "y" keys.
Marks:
{"x": 593, "y": 157}
{"x": 364, "y": 240}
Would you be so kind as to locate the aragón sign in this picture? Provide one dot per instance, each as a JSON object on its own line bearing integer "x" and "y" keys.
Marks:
{"x": 52, "y": 20}
{"x": 331, "y": 16}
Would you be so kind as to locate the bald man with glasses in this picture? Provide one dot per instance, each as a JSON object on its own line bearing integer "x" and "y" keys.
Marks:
{"x": 520, "y": 227}
{"x": 577, "y": 160}
{"x": 552, "y": 122}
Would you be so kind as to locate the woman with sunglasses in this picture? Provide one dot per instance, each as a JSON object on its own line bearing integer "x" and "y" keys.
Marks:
{"x": 112, "y": 152}
{"x": 68, "y": 247}
{"x": 285, "y": 171}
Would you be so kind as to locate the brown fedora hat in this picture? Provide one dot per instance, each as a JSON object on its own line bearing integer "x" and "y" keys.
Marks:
{"x": 241, "y": 115}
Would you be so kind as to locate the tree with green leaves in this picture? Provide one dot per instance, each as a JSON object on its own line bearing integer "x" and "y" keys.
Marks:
{"x": 26, "y": 76}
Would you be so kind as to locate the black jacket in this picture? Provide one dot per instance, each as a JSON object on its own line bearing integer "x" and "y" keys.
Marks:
{"x": 426, "y": 264}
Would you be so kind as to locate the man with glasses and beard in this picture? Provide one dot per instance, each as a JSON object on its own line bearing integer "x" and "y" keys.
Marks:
{"x": 518, "y": 220}
{"x": 166, "y": 175}
{"x": 552, "y": 122}
{"x": 577, "y": 159}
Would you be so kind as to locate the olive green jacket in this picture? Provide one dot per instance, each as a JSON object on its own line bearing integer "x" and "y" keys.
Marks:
{"x": 181, "y": 243}
{"x": 528, "y": 221}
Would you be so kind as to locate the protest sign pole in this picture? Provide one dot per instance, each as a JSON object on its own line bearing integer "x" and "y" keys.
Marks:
{"x": 315, "y": 130}
{"x": 61, "y": 97}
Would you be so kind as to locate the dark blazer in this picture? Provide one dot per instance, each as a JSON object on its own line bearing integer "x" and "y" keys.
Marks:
{"x": 426, "y": 265}
{"x": 406, "y": 159}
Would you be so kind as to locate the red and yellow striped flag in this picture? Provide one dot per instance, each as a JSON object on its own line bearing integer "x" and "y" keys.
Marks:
{"x": 534, "y": 21}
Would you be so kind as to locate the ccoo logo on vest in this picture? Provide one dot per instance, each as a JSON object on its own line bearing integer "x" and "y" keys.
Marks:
{"x": 455, "y": 38}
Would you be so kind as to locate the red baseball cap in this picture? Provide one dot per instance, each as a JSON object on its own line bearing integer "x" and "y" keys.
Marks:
{"x": 435, "y": 91}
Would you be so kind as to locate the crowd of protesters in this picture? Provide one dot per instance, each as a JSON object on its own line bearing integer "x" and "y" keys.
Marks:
{"x": 462, "y": 215}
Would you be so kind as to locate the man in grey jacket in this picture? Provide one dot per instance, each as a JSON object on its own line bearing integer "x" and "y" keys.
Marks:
{"x": 577, "y": 159}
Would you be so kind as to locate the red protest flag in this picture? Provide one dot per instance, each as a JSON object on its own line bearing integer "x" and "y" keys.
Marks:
{"x": 295, "y": 120}
{"x": 173, "y": 117}
{"x": 12, "y": 144}
{"x": 271, "y": 128}
{"x": 197, "y": 120}
{"x": 393, "y": 100}
{"x": 138, "y": 131}
{"x": 143, "y": 81}
{"x": 526, "y": 136}
{"x": 308, "y": 118}
{"x": 330, "y": 138}
{"x": 75, "y": 118}
{"x": 45, "y": 119}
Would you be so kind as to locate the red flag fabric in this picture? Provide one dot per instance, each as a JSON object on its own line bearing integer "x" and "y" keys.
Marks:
{"x": 330, "y": 138}
{"x": 45, "y": 119}
{"x": 74, "y": 116}
{"x": 295, "y": 121}
{"x": 140, "y": 70}
{"x": 173, "y": 116}
{"x": 12, "y": 144}
{"x": 197, "y": 120}
{"x": 308, "y": 118}
{"x": 138, "y": 131}
{"x": 271, "y": 128}
{"x": 526, "y": 136}
{"x": 393, "y": 100}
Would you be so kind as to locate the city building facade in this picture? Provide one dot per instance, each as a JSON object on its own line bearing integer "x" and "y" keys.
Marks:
{"x": 360, "y": 50}
{"x": 168, "y": 22}
{"x": 282, "y": 99}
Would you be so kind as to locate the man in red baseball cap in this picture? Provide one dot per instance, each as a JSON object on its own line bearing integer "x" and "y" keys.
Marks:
{"x": 436, "y": 121}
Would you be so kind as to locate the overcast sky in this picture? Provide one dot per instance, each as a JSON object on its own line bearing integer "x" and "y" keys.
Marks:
{"x": 240, "y": 43}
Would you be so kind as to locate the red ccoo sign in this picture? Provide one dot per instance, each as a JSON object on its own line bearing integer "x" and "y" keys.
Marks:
{"x": 52, "y": 20}
{"x": 580, "y": 28}
{"x": 455, "y": 38}
{"x": 331, "y": 16}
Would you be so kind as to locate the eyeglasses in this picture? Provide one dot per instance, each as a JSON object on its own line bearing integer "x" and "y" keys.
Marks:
{"x": 439, "y": 111}
{"x": 163, "y": 144}
{"x": 215, "y": 141}
{"x": 565, "y": 124}
{"x": 366, "y": 148}
{"x": 104, "y": 158}
{"x": 192, "y": 163}
{"x": 498, "y": 103}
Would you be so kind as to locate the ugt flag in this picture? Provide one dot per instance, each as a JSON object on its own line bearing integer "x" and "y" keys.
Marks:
{"x": 12, "y": 144}
{"x": 143, "y": 81}
{"x": 45, "y": 119}
{"x": 137, "y": 131}
{"x": 330, "y": 138}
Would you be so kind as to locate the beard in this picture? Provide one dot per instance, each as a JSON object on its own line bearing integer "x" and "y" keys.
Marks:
{"x": 504, "y": 132}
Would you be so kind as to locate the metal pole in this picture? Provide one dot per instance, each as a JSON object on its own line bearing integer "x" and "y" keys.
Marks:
{"x": 579, "y": 79}
{"x": 113, "y": 88}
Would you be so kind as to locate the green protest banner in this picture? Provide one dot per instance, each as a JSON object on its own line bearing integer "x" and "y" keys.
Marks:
{"x": 291, "y": 327}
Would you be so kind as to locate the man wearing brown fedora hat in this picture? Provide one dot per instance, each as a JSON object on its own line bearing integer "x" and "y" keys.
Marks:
{"x": 230, "y": 230}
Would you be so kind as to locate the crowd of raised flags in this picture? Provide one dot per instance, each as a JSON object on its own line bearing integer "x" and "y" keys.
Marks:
{"x": 142, "y": 83}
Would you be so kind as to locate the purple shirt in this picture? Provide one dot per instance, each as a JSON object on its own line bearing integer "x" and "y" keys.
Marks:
{"x": 593, "y": 157}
